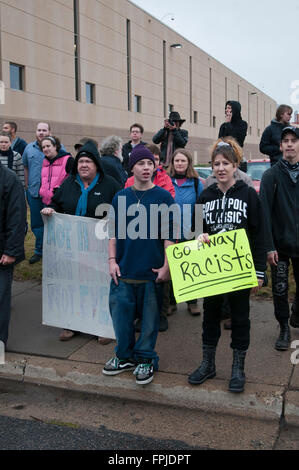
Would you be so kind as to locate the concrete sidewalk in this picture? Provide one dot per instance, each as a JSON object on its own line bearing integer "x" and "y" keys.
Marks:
{"x": 35, "y": 355}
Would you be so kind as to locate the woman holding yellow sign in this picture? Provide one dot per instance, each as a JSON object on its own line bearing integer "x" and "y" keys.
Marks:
{"x": 230, "y": 205}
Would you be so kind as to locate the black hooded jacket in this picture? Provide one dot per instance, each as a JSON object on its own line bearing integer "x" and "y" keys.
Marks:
{"x": 270, "y": 141}
{"x": 237, "y": 128}
{"x": 238, "y": 208}
{"x": 66, "y": 197}
{"x": 12, "y": 215}
{"x": 280, "y": 199}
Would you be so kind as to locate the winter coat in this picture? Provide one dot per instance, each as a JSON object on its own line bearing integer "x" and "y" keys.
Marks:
{"x": 280, "y": 200}
{"x": 161, "y": 179}
{"x": 18, "y": 145}
{"x": 220, "y": 213}
{"x": 180, "y": 139}
{"x": 14, "y": 161}
{"x": 270, "y": 141}
{"x": 66, "y": 197}
{"x": 12, "y": 215}
{"x": 126, "y": 151}
{"x": 186, "y": 195}
{"x": 239, "y": 175}
{"x": 237, "y": 128}
{"x": 33, "y": 158}
{"x": 113, "y": 167}
{"x": 54, "y": 172}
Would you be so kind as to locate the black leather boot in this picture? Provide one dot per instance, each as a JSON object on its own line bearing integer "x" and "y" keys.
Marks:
{"x": 207, "y": 369}
{"x": 237, "y": 381}
{"x": 294, "y": 318}
{"x": 284, "y": 338}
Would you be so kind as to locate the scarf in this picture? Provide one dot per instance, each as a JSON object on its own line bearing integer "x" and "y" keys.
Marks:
{"x": 10, "y": 155}
{"x": 82, "y": 202}
{"x": 169, "y": 150}
{"x": 293, "y": 170}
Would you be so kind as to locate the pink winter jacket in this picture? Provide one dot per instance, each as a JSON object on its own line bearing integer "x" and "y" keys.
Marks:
{"x": 53, "y": 174}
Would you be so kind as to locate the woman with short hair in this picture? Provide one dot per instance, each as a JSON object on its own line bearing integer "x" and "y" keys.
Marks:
{"x": 9, "y": 157}
{"x": 57, "y": 165}
{"x": 81, "y": 194}
{"x": 112, "y": 159}
{"x": 271, "y": 137}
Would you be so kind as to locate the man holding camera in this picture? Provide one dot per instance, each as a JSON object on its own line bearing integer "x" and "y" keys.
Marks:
{"x": 171, "y": 137}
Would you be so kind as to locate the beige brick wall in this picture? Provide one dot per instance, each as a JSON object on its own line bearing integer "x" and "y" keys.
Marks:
{"x": 39, "y": 34}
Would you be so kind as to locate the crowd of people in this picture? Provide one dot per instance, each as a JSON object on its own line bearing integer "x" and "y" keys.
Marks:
{"x": 141, "y": 295}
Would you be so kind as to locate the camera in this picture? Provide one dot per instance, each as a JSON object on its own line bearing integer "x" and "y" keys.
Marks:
{"x": 171, "y": 122}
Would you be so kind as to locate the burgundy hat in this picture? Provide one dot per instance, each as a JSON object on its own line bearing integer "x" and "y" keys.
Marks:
{"x": 140, "y": 152}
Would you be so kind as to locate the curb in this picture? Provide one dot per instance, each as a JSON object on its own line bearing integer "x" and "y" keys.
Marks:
{"x": 259, "y": 401}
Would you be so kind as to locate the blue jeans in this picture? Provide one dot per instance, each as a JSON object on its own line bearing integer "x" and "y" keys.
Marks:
{"x": 37, "y": 225}
{"x": 126, "y": 301}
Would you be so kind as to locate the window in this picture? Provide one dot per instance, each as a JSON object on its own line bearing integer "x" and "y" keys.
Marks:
{"x": 164, "y": 80}
{"x": 137, "y": 104}
{"x": 90, "y": 93}
{"x": 170, "y": 108}
{"x": 129, "y": 79}
{"x": 190, "y": 88}
{"x": 195, "y": 117}
{"x": 77, "y": 50}
{"x": 17, "y": 77}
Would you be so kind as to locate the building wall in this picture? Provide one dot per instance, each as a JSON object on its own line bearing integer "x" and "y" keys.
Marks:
{"x": 39, "y": 35}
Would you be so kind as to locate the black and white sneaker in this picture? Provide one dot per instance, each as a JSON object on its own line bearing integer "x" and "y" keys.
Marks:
{"x": 144, "y": 373}
{"x": 115, "y": 366}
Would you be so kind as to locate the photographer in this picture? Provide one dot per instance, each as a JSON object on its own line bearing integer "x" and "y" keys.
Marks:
{"x": 171, "y": 137}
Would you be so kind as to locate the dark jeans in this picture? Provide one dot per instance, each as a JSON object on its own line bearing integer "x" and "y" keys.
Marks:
{"x": 240, "y": 332}
{"x": 36, "y": 221}
{"x": 126, "y": 301}
{"x": 6, "y": 276}
{"x": 280, "y": 285}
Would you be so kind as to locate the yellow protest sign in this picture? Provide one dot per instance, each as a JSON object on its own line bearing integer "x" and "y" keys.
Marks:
{"x": 201, "y": 270}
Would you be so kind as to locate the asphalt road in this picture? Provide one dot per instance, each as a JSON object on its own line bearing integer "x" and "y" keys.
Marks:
{"x": 20, "y": 434}
{"x": 33, "y": 417}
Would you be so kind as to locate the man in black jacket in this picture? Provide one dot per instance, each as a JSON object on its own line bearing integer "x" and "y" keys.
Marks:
{"x": 279, "y": 194}
{"x": 171, "y": 137}
{"x": 136, "y": 133}
{"x": 12, "y": 234}
{"x": 271, "y": 137}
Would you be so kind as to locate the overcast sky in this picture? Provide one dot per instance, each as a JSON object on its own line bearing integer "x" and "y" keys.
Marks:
{"x": 258, "y": 40}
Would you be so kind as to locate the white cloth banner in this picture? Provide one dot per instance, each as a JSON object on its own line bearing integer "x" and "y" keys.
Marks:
{"x": 76, "y": 277}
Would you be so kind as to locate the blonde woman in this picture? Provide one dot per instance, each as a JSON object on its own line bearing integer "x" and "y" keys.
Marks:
{"x": 229, "y": 205}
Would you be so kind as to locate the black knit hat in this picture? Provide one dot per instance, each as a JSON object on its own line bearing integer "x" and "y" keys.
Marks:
{"x": 88, "y": 150}
{"x": 140, "y": 152}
